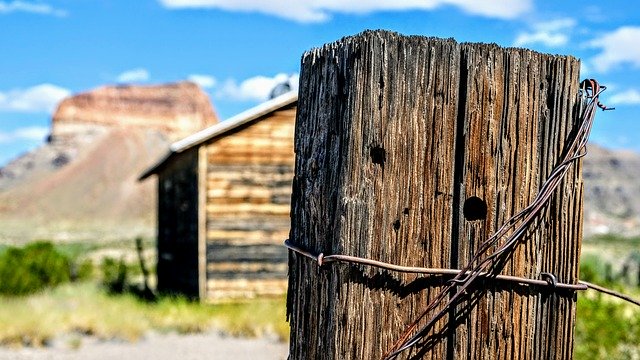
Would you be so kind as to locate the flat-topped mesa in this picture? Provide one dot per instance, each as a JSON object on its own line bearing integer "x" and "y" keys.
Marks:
{"x": 176, "y": 109}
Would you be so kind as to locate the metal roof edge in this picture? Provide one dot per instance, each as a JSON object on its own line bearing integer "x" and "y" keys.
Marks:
{"x": 222, "y": 127}
{"x": 153, "y": 168}
{"x": 235, "y": 121}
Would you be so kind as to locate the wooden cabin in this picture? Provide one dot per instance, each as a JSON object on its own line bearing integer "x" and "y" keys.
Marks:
{"x": 224, "y": 196}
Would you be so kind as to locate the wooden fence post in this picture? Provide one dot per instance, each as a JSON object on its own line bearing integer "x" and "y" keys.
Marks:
{"x": 412, "y": 150}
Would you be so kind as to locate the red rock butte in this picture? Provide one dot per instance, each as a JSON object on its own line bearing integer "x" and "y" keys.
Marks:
{"x": 82, "y": 184}
{"x": 177, "y": 109}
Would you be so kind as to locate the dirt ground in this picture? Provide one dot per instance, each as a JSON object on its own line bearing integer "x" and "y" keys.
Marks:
{"x": 156, "y": 346}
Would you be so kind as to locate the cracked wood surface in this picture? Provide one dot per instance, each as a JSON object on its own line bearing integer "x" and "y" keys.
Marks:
{"x": 412, "y": 150}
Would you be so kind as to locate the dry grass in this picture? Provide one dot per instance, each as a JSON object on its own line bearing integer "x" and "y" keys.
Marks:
{"x": 86, "y": 309}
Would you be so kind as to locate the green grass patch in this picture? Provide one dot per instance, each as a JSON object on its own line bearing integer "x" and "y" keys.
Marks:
{"x": 254, "y": 318}
{"x": 86, "y": 308}
{"x": 32, "y": 268}
{"x": 606, "y": 328}
{"x": 613, "y": 239}
{"x": 77, "y": 250}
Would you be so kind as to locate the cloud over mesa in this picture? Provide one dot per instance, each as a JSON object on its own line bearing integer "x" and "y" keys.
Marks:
{"x": 321, "y": 10}
{"x": 39, "y": 98}
{"x": 257, "y": 88}
{"x": 204, "y": 81}
{"x": 133, "y": 75}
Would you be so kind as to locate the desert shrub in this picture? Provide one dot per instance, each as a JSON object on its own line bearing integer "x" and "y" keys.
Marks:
{"x": 606, "y": 329}
{"x": 32, "y": 268}
{"x": 82, "y": 271}
{"x": 114, "y": 275}
{"x": 592, "y": 269}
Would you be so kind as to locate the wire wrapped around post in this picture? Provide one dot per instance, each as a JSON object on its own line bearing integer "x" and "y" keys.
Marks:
{"x": 517, "y": 225}
{"x": 480, "y": 266}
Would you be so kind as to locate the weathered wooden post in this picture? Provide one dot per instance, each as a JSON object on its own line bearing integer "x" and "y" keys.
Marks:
{"x": 412, "y": 151}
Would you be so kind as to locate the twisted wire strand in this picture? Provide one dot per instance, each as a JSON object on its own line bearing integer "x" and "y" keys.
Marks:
{"x": 550, "y": 279}
{"x": 610, "y": 292}
{"x": 480, "y": 266}
{"x": 321, "y": 259}
{"x": 590, "y": 90}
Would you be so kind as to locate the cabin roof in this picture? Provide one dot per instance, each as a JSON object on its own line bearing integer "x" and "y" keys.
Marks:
{"x": 223, "y": 128}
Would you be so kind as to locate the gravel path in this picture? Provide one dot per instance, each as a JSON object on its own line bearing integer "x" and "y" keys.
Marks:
{"x": 159, "y": 347}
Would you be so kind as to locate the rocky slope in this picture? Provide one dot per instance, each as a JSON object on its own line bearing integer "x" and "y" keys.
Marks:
{"x": 83, "y": 182}
{"x": 612, "y": 192}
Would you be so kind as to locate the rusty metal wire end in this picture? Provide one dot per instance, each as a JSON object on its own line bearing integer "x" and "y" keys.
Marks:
{"x": 517, "y": 226}
{"x": 610, "y": 292}
{"x": 321, "y": 260}
{"x": 481, "y": 264}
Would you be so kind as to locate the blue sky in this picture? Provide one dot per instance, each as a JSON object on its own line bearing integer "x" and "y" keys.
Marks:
{"x": 238, "y": 49}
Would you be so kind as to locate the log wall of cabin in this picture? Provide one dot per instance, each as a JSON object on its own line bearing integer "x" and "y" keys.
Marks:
{"x": 177, "y": 266}
{"x": 249, "y": 175}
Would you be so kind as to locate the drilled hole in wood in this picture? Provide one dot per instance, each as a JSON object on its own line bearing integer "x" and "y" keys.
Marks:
{"x": 378, "y": 155}
{"x": 396, "y": 225}
{"x": 474, "y": 209}
{"x": 406, "y": 211}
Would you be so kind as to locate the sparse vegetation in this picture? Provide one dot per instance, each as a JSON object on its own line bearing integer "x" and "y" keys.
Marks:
{"x": 114, "y": 275}
{"x": 106, "y": 303}
{"x": 40, "y": 265}
{"x": 607, "y": 327}
{"x": 614, "y": 239}
{"x": 32, "y": 268}
{"x": 85, "y": 308}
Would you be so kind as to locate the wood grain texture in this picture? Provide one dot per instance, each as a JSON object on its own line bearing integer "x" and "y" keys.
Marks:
{"x": 393, "y": 135}
{"x": 248, "y": 197}
{"x": 224, "y": 290}
{"x": 375, "y": 141}
{"x": 517, "y": 111}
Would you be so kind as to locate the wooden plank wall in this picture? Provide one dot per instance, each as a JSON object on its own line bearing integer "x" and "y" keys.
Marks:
{"x": 248, "y": 201}
{"x": 177, "y": 267}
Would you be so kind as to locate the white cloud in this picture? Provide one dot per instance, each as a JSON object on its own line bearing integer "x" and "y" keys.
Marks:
{"x": 133, "y": 75}
{"x": 257, "y": 88}
{"x": 205, "y": 81}
{"x": 617, "y": 48}
{"x": 29, "y": 133}
{"x": 545, "y": 38}
{"x": 551, "y": 33}
{"x": 628, "y": 97}
{"x": 584, "y": 69}
{"x": 321, "y": 10}
{"x": 39, "y": 98}
{"x": 30, "y": 7}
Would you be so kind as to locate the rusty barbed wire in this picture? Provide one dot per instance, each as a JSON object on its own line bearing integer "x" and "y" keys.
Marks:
{"x": 321, "y": 259}
{"x": 482, "y": 265}
{"x": 590, "y": 91}
{"x": 610, "y": 292}
{"x": 549, "y": 280}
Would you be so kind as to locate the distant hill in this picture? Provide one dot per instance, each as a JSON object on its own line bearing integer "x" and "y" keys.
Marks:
{"x": 82, "y": 184}
{"x": 612, "y": 191}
